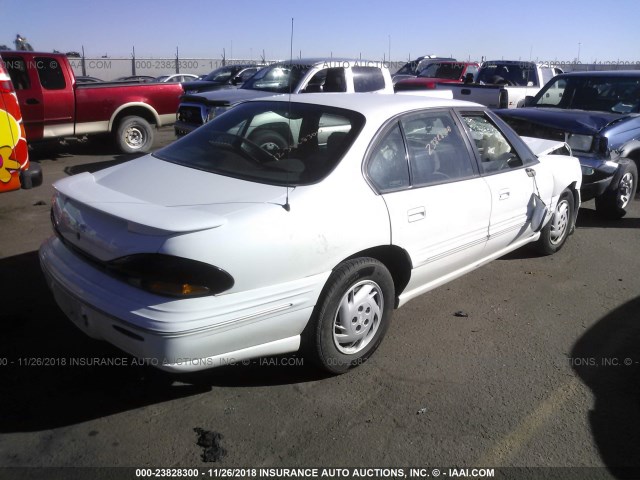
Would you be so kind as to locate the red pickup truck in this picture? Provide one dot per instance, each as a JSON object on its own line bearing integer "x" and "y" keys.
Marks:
{"x": 53, "y": 105}
{"x": 439, "y": 72}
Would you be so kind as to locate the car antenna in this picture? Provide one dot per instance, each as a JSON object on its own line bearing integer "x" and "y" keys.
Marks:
{"x": 286, "y": 205}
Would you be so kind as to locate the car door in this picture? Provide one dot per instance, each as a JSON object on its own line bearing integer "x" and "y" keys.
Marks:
{"x": 58, "y": 97}
{"x": 510, "y": 176}
{"x": 438, "y": 205}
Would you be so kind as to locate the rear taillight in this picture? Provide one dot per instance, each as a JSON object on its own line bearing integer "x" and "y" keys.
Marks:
{"x": 170, "y": 276}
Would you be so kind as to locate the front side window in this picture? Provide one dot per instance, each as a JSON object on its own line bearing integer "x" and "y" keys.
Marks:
{"x": 437, "y": 150}
{"x": 494, "y": 150}
{"x": 277, "y": 143}
{"x": 50, "y": 73}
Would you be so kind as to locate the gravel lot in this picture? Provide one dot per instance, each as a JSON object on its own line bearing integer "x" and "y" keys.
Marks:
{"x": 544, "y": 371}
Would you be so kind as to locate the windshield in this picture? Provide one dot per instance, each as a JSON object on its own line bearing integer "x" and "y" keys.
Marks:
{"x": 277, "y": 143}
{"x": 281, "y": 78}
{"x": 452, "y": 71}
{"x": 601, "y": 94}
{"x": 517, "y": 74}
{"x": 222, "y": 74}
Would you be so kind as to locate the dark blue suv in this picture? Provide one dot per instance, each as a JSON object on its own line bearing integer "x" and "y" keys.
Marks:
{"x": 597, "y": 114}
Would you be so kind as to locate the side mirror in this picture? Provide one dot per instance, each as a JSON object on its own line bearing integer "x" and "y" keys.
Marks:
{"x": 528, "y": 100}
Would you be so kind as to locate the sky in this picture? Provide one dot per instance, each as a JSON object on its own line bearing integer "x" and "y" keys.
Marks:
{"x": 558, "y": 31}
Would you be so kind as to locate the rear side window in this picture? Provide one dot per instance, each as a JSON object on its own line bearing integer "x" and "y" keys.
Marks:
{"x": 367, "y": 79}
{"x": 17, "y": 69}
{"x": 387, "y": 167}
{"x": 50, "y": 73}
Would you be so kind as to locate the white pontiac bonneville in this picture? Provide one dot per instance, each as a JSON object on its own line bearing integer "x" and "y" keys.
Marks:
{"x": 221, "y": 247}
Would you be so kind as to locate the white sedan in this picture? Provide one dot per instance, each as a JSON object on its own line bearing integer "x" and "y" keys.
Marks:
{"x": 221, "y": 247}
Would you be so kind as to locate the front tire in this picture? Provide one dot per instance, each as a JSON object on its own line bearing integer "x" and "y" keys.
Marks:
{"x": 352, "y": 315}
{"x": 556, "y": 231}
{"x": 613, "y": 204}
{"x": 134, "y": 134}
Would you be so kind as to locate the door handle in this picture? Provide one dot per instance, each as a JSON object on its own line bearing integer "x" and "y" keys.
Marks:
{"x": 504, "y": 194}
{"x": 32, "y": 101}
{"x": 416, "y": 214}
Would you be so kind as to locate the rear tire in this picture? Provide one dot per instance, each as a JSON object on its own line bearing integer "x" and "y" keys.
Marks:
{"x": 352, "y": 315}
{"x": 134, "y": 134}
{"x": 556, "y": 231}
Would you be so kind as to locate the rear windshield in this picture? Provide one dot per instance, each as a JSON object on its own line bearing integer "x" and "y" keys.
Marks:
{"x": 516, "y": 74}
{"x": 277, "y": 143}
{"x": 451, "y": 71}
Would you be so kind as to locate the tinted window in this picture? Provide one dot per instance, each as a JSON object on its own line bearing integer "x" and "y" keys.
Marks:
{"x": 604, "y": 94}
{"x": 387, "y": 167}
{"x": 18, "y": 72}
{"x": 327, "y": 80}
{"x": 450, "y": 71}
{"x": 247, "y": 74}
{"x": 367, "y": 79}
{"x": 50, "y": 73}
{"x": 495, "y": 152}
{"x": 278, "y": 143}
{"x": 437, "y": 150}
{"x": 519, "y": 74}
{"x": 221, "y": 74}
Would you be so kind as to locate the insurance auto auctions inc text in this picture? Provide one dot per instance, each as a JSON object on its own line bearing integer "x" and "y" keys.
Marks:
{"x": 373, "y": 473}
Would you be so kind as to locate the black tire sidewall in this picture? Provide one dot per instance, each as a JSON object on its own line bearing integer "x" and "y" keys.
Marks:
{"x": 607, "y": 204}
{"x": 260, "y": 138}
{"x": 143, "y": 125}
{"x": 545, "y": 244}
{"x": 326, "y": 355}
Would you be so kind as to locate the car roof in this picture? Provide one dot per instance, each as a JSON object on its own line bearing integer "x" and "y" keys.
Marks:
{"x": 372, "y": 104}
{"x": 605, "y": 73}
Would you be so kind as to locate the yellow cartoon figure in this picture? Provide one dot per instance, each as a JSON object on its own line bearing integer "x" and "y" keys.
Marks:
{"x": 9, "y": 138}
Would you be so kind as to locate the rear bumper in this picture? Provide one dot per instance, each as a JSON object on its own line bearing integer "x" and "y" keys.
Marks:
{"x": 178, "y": 335}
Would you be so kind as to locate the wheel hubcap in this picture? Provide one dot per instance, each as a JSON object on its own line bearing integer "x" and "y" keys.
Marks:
{"x": 560, "y": 222}
{"x": 625, "y": 188}
{"x": 134, "y": 137}
{"x": 269, "y": 147}
{"x": 358, "y": 317}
